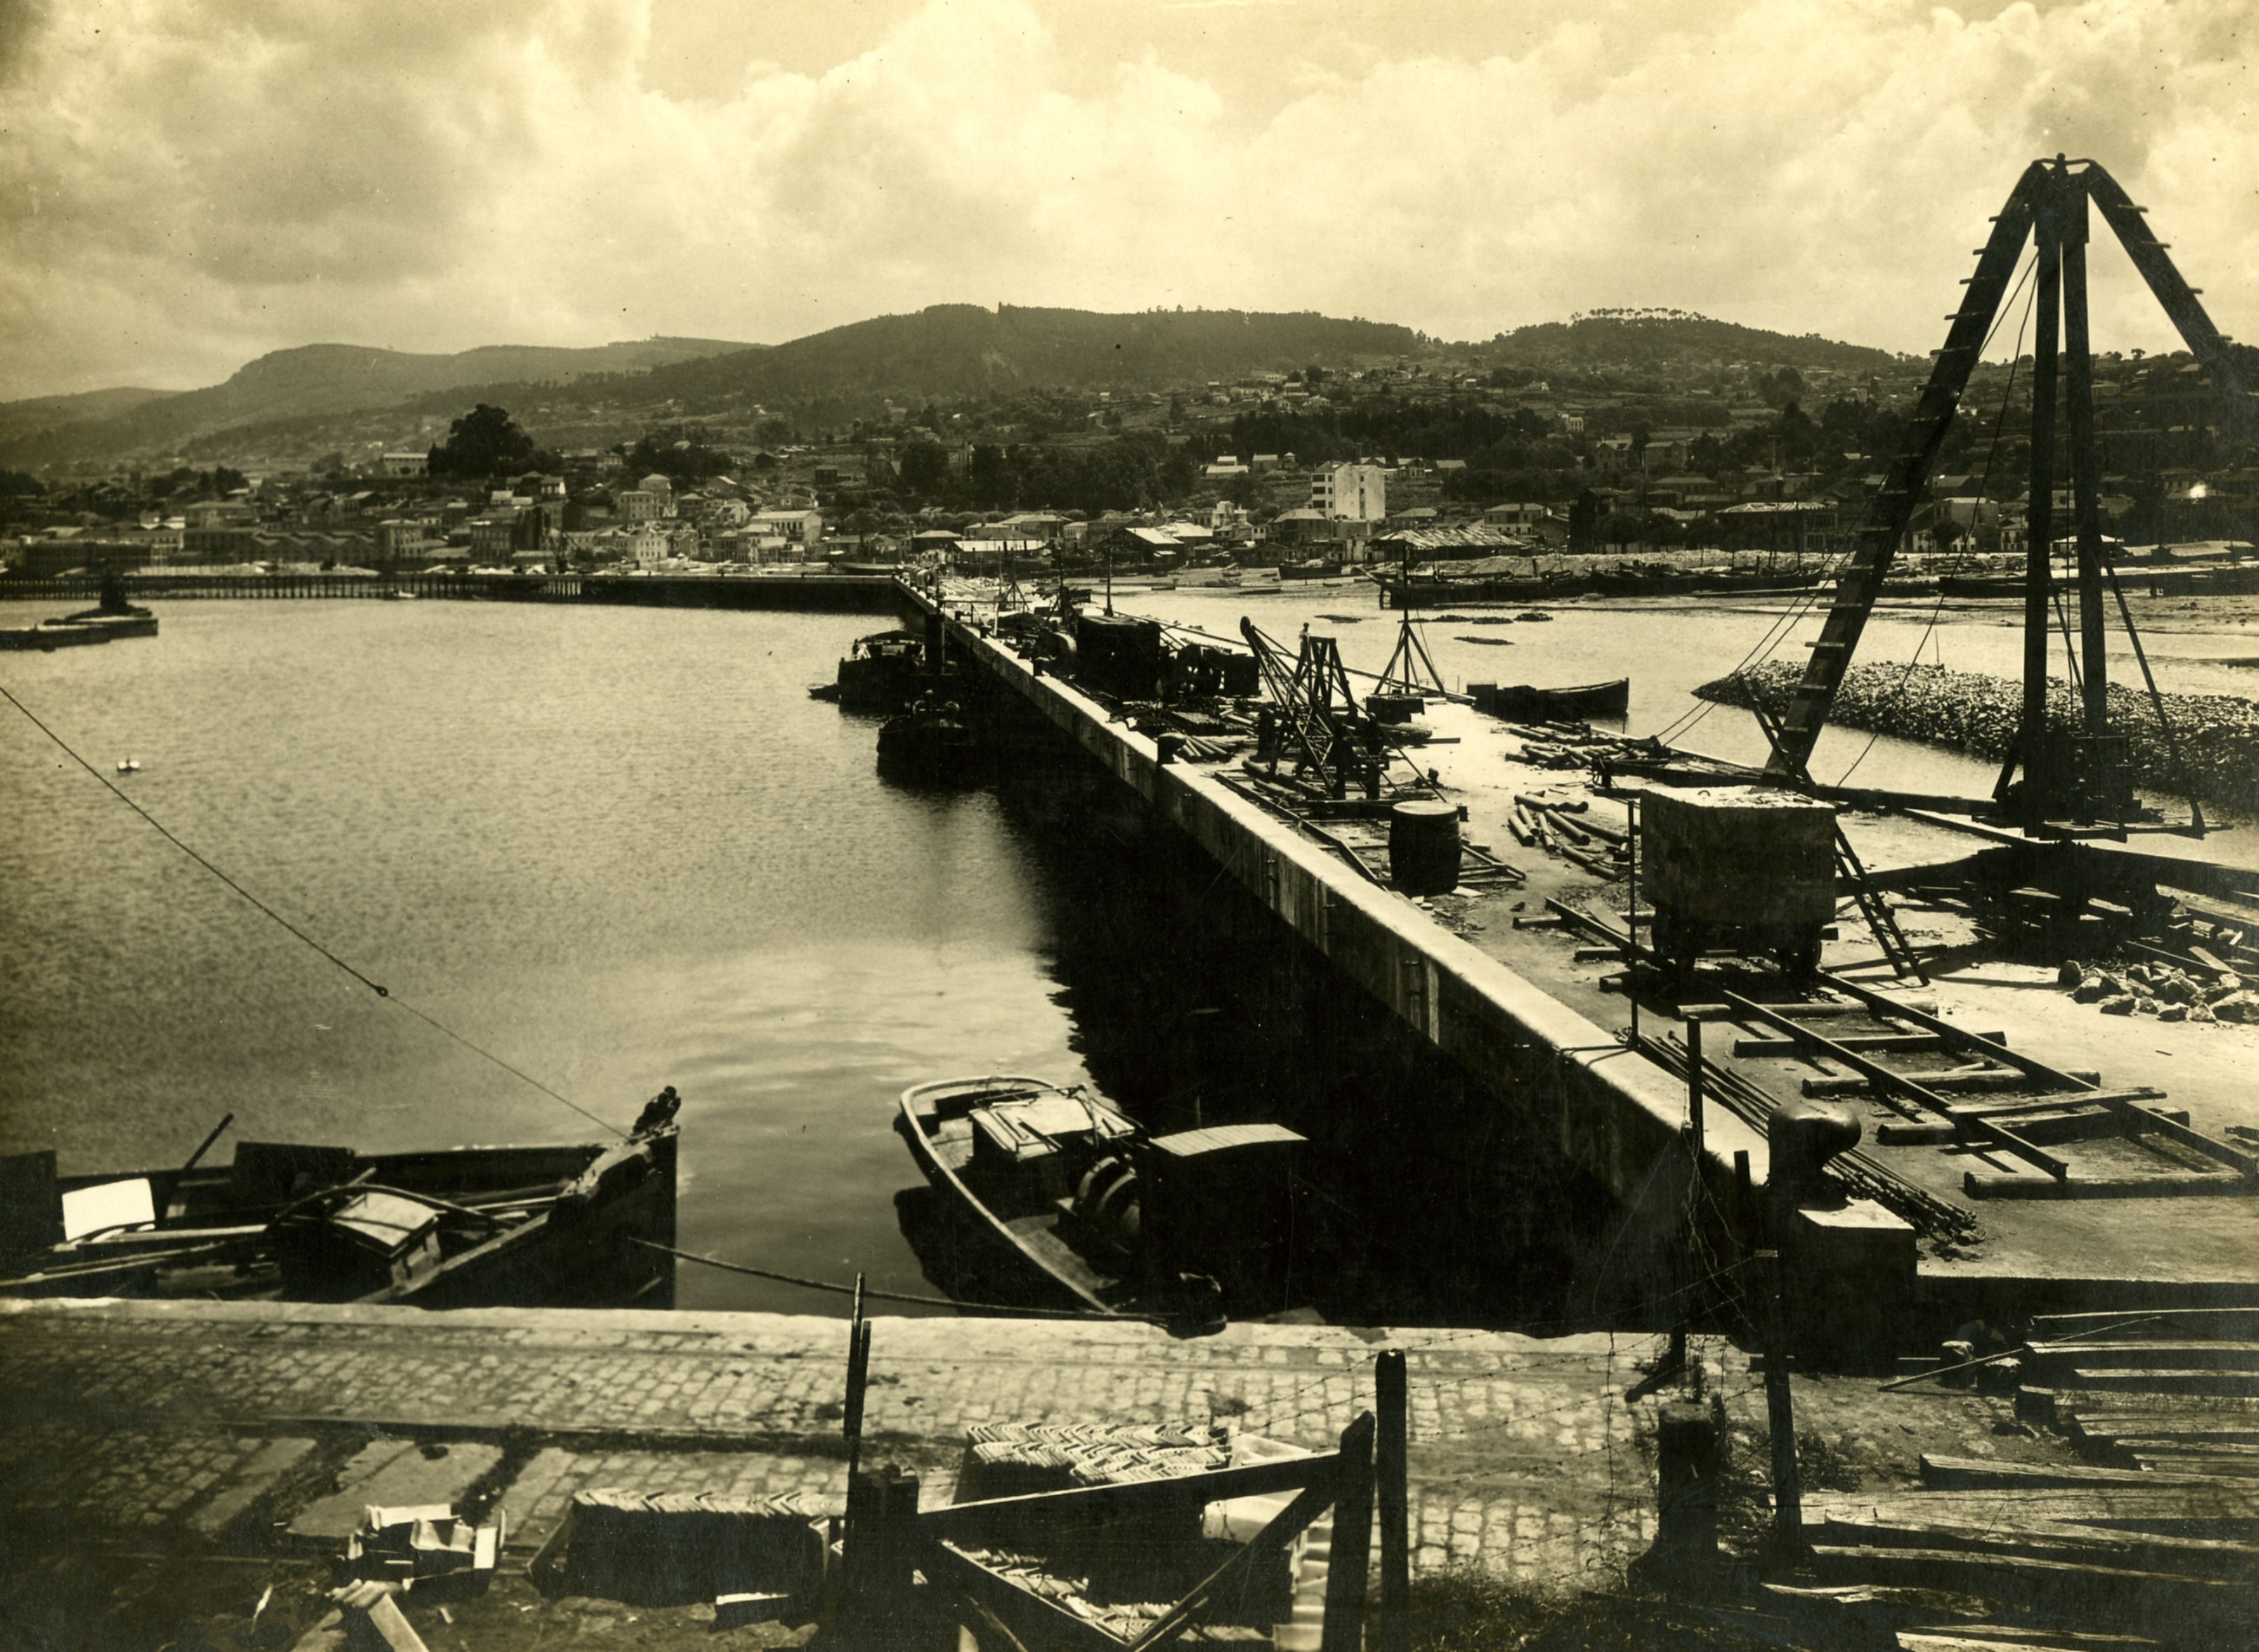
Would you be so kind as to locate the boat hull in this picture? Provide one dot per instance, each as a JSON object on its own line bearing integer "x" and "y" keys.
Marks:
{"x": 533, "y": 1227}
{"x": 1529, "y": 704}
{"x": 1026, "y": 1254}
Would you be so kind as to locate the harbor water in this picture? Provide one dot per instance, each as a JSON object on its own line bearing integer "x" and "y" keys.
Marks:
{"x": 619, "y": 849}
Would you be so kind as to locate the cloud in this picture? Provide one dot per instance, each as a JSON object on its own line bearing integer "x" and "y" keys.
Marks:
{"x": 186, "y": 183}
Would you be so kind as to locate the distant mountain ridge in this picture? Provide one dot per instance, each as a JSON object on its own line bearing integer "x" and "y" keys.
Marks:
{"x": 945, "y": 350}
{"x": 311, "y": 380}
{"x": 37, "y": 413}
{"x": 950, "y": 350}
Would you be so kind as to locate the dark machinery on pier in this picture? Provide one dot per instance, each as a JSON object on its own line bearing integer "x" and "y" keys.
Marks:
{"x": 2047, "y": 776}
{"x": 1314, "y": 724}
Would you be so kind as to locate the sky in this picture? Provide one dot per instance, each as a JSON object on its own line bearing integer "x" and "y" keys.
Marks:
{"x": 187, "y": 184}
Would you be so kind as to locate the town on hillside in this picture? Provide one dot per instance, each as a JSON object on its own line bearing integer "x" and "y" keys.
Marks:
{"x": 1453, "y": 452}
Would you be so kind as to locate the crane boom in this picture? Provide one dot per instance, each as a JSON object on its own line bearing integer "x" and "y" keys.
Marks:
{"x": 1888, "y": 514}
{"x": 1860, "y": 579}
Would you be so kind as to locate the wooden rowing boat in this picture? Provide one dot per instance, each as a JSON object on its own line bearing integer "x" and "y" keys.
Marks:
{"x": 1530, "y": 704}
{"x": 1089, "y": 1212}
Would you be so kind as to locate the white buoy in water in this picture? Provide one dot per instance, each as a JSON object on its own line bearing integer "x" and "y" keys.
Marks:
{"x": 127, "y": 766}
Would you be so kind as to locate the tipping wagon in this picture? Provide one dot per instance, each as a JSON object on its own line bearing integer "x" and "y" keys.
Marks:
{"x": 1745, "y": 868}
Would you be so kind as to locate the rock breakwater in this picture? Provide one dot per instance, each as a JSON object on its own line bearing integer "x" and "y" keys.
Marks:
{"x": 2217, "y": 735}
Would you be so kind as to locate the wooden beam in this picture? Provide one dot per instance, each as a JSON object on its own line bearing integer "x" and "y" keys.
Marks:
{"x": 1988, "y": 1047}
{"x": 1997, "y": 1184}
{"x": 1346, "y": 1579}
{"x": 1277, "y": 1532}
{"x": 958, "y": 1570}
{"x": 1884, "y": 1078}
{"x": 986, "y": 1521}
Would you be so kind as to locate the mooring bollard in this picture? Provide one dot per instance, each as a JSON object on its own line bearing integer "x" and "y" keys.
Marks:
{"x": 1687, "y": 1462}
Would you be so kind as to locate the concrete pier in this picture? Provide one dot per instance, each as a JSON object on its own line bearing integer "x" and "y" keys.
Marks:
{"x": 1608, "y": 1111}
{"x": 1540, "y": 1026}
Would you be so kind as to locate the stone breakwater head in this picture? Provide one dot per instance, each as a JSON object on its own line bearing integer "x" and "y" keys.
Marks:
{"x": 2216, "y": 737}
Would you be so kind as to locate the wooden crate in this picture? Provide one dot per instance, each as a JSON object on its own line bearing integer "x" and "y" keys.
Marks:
{"x": 1738, "y": 855}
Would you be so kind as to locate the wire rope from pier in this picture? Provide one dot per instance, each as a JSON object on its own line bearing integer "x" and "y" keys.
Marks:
{"x": 836, "y": 1289}
{"x": 385, "y": 992}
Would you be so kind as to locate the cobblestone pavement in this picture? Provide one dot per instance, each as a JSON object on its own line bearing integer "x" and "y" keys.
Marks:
{"x": 219, "y": 1423}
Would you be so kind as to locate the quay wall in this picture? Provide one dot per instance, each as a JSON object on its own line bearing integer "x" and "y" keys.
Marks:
{"x": 808, "y": 593}
{"x": 1614, "y": 1115}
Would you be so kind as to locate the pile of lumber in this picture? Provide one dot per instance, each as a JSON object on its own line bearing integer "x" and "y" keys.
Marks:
{"x": 2152, "y": 1540}
{"x": 1565, "y": 827}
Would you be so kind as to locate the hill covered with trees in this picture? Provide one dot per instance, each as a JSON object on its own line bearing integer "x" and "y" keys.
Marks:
{"x": 1654, "y": 339}
{"x": 962, "y": 350}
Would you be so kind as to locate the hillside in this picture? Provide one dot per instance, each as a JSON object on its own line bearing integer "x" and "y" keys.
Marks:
{"x": 955, "y": 350}
{"x": 316, "y": 380}
{"x": 1648, "y": 341}
{"x": 38, "y": 413}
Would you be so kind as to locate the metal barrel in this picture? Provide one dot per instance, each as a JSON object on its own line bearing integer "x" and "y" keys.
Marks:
{"x": 1423, "y": 846}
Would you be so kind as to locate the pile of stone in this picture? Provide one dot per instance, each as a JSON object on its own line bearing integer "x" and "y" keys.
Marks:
{"x": 2214, "y": 737}
{"x": 2162, "y": 990}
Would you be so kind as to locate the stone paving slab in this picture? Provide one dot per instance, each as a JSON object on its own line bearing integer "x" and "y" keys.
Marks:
{"x": 395, "y": 1474}
{"x": 142, "y": 1417}
{"x": 259, "y": 1474}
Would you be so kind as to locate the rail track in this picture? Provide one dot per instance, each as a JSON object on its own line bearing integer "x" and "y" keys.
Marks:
{"x": 2037, "y": 1131}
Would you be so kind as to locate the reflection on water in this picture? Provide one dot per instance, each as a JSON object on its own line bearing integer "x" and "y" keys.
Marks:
{"x": 619, "y": 849}
{"x": 622, "y": 849}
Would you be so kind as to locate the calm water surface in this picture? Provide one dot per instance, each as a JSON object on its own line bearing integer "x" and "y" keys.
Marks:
{"x": 621, "y": 850}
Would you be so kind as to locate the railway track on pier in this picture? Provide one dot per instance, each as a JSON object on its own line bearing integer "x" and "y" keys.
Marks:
{"x": 2028, "y": 1130}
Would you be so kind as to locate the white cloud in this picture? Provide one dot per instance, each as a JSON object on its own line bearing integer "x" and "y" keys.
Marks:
{"x": 185, "y": 184}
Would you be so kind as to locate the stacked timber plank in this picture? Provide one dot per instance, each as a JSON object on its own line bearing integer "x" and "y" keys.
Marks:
{"x": 1121, "y": 1577}
{"x": 2154, "y": 1540}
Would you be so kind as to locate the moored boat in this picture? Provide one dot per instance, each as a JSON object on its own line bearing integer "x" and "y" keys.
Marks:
{"x": 1529, "y": 704}
{"x": 934, "y": 742}
{"x": 882, "y": 672}
{"x": 453, "y": 1227}
{"x": 129, "y": 622}
{"x": 1090, "y": 1211}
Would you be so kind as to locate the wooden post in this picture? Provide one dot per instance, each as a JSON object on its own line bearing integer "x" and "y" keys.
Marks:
{"x": 1631, "y": 913}
{"x": 1346, "y": 1576}
{"x": 858, "y": 1379}
{"x": 859, "y": 1514}
{"x": 877, "y": 1599}
{"x": 1780, "y": 1411}
{"x": 1392, "y": 1456}
{"x": 1677, "y": 1359}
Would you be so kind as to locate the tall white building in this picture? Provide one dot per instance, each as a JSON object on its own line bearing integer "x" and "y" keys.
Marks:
{"x": 1353, "y": 493}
